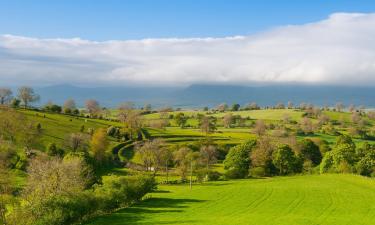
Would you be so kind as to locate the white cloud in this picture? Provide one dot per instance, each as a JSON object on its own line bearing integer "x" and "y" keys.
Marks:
{"x": 338, "y": 50}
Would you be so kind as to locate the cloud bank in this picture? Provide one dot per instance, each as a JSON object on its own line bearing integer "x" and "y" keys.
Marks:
{"x": 338, "y": 50}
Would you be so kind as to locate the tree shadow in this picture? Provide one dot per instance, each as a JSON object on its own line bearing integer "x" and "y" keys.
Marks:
{"x": 141, "y": 212}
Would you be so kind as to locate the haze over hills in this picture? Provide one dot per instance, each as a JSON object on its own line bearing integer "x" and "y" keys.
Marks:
{"x": 200, "y": 95}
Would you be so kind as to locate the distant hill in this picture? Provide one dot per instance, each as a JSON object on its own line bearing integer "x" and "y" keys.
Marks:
{"x": 196, "y": 96}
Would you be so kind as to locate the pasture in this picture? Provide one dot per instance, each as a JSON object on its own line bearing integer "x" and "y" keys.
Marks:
{"x": 300, "y": 200}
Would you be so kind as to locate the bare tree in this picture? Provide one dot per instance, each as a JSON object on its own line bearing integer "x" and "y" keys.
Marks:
{"x": 5, "y": 95}
{"x": 93, "y": 107}
{"x": 77, "y": 141}
{"x": 306, "y": 125}
{"x": 208, "y": 124}
{"x": 222, "y": 107}
{"x": 208, "y": 156}
{"x": 27, "y": 95}
{"x": 290, "y": 105}
{"x": 182, "y": 161}
{"x": 260, "y": 128}
{"x": 69, "y": 106}
{"x": 228, "y": 120}
{"x": 339, "y": 106}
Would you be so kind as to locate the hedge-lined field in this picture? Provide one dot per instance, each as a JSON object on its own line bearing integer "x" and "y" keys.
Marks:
{"x": 299, "y": 200}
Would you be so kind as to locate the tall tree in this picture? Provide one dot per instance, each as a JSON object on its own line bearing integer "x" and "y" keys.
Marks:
{"x": 228, "y": 120}
{"x": 27, "y": 95}
{"x": 208, "y": 156}
{"x": 208, "y": 124}
{"x": 99, "y": 145}
{"x": 181, "y": 159}
{"x": 5, "y": 95}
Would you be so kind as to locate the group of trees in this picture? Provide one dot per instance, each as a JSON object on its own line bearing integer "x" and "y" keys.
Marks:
{"x": 268, "y": 157}
{"x": 25, "y": 96}
{"x": 156, "y": 156}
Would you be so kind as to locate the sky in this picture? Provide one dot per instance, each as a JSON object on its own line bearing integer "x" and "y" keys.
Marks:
{"x": 164, "y": 42}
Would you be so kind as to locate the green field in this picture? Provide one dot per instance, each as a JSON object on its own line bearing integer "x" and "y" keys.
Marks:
{"x": 299, "y": 200}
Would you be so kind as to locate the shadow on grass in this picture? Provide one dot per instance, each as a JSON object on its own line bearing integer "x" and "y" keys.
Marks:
{"x": 143, "y": 212}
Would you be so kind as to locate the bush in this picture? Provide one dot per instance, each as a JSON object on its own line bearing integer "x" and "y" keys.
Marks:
{"x": 258, "y": 172}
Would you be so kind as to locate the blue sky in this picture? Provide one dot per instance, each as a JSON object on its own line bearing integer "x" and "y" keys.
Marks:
{"x": 137, "y": 19}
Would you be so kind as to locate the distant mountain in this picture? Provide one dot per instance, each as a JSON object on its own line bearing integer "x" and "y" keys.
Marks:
{"x": 196, "y": 96}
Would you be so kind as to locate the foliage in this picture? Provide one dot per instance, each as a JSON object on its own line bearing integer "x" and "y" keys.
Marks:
{"x": 237, "y": 161}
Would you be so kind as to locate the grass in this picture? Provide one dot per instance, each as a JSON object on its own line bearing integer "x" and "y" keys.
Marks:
{"x": 55, "y": 127}
{"x": 318, "y": 199}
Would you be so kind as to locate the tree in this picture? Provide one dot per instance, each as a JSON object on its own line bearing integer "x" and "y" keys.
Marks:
{"x": 99, "y": 145}
{"x": 192, "y": 157}
{"x": 152, "y": 155}
{"x": 5, "y": 95}
{"x": 208, "y": 156}
{"x": 306, "y": 125}
{"x": 261, "y": 157}
{"x": 260, "y": 128}
{"x": 237, "y": 161}
{"x": 252, "y": 106}
{"x": 341, "y": 158}
{"x": 181, "y": 159}
{"x": 93, "y": 107}
{"x": 222, "y": 107}
{"x": 131, "y": 118}
{"x": 77, "y": 141}
{"x": 310, "y": 151}
{"x": 208, "y": 124}
{"x": 27, "y": 95}
{"x": 290, "y": 105}
{"x": 235, "y": 107}
{"x": 181, "y": 119}
{"x": 48, "y": 180}
{"x": 284, "y": 159}
{"x": 339, "y": 106}
{"x": 228, "y": 120}
{"x": 69, "y": 106}
{"x": 166, "y": 156}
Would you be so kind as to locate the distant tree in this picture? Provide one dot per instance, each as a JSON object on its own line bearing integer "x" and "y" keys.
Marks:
{"x": 280, "y": 105}
{"x": 147, "y": 108}
{"x": 152, "y": 155}
{"x": 290, "y": 105}
{"x": 98, "y": 145}
{"x": 323, "y": 119}
{"x": 69, "y": 106}
{"x": 222, "y": 107}
{"x": 228, "y": 120}
{"x": 284, "y": 159}
{"x": 252, "y": 106}
{"x": 165, "y": 156}
{"x": 339, "y": 106}
{"x": 93, "y": 107}
{"x": 5, "y": 95}
{"x": 208, "y": 124}
{"x": 235, "y": 107}
{"x": 306, "y": 125}
{"x": 260, "y": 128}
{"x": 27, "y": 95}
{"x": 356, "y": 117}
{"x": 77, "y": 141}
{"x": 351, "y": 108}
{"x": 180, "y": 119}
{"x": 205, "y": 108}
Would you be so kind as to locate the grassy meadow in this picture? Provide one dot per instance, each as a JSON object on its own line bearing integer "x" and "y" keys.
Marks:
{"x": 298, "y": 200}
